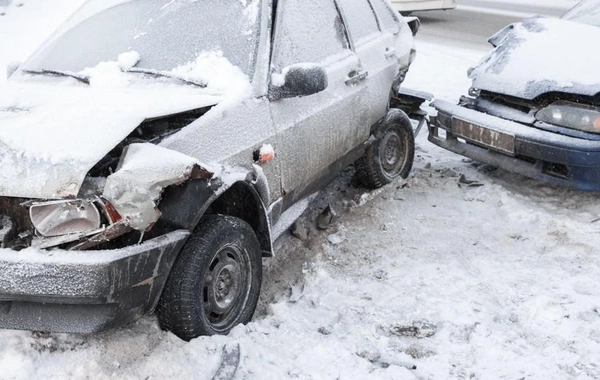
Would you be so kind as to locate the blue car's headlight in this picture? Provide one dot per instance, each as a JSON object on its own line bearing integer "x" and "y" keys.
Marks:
{"x": 571, "y": 115}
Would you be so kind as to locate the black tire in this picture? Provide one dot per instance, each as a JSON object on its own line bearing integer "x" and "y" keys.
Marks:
{"x": 215, "y": 282}
{"x": 390, "y": 155}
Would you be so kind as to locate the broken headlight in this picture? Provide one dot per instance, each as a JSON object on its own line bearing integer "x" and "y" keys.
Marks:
{"x": 571, "y": 115}
{"x": 65, "y": 217}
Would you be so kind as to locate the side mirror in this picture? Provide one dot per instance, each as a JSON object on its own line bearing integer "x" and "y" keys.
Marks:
{"x": 298, "y": 80}
{"x": 11, "y": 68}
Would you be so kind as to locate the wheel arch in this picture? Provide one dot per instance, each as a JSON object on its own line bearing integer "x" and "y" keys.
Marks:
{"x": 183, "y": 206}
{"x": 394, "y": 115}
{"x": 242, "y": 200}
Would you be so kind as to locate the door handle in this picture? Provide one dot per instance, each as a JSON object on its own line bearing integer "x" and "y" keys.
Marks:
{"x": 356, "y": 76}
{"x": 390, "y": 53}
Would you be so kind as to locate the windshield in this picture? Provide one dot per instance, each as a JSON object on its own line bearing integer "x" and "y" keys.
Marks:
{"x": 586, "y": 12}
{"x": 165, "y": 33}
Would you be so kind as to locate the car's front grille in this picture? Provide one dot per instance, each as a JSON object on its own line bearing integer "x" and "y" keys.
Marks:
{"x": 504, "y": 109}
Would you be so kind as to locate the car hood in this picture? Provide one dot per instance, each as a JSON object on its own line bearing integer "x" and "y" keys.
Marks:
{"x": 51, "y": 135}
{"x": 539, "y": 56}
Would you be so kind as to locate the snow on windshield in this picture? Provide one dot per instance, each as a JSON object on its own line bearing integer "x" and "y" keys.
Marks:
{"x": 210, "y": 69}
{"x": 588, "y": 12}
{"x": 166, "y": 33}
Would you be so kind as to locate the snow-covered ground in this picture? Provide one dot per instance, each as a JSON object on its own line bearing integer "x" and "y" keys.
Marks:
{"x": 486, "y": 280}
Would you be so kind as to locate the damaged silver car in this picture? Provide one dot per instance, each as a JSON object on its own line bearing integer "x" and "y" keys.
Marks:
{"x": 534, "y": 106}
{"x": 153, "y": 150}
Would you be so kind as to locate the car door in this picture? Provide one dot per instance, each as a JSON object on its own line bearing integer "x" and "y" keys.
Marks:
{"x": 314, "y": 132}
{"x": 376, "y": 51}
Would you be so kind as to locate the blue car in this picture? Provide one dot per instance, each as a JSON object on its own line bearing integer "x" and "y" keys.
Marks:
{"x": 534, "y": 106}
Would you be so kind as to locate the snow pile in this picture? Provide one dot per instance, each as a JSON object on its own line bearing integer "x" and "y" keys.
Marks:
{"x": 212, "y": 68}
{"x": 107, "y": 75}
{"x": 128, "y": 60}
{"x": 113, "y": 73}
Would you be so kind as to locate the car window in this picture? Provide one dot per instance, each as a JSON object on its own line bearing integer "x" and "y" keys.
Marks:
{"x": 587, "y": 12}
{"x": 388, "y": 17}
{"x": 360, "y": 19}
{"x": 308, "y": 31}
{"x": 166, "y": 34}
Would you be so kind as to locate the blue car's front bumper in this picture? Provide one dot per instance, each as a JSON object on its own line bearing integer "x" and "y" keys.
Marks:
{"x": 563, "y": 160}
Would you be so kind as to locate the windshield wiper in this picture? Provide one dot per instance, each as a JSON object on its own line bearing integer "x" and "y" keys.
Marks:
{"x": 163, "y": 74}
{"x": 80, "y": 78}
{"x": 86, "y": 80}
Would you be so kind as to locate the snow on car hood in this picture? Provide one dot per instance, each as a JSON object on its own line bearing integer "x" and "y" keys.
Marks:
{"x": 51, "y": 135}
{"x": 538, "y": 56}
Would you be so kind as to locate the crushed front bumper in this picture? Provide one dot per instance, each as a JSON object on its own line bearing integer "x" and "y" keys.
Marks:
{"x": 84, "y": 291}
{"x": 563, "y": 160}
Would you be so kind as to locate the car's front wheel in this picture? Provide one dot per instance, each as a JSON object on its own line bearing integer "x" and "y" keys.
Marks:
{"x": 215, "y": 282}
{"x": 390, "y": 155}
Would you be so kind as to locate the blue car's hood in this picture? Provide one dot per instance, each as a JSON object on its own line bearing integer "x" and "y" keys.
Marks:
{"x": 539, "y": 56}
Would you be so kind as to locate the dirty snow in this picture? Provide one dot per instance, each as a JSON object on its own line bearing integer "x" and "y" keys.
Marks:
{"x": 494, "y": 277}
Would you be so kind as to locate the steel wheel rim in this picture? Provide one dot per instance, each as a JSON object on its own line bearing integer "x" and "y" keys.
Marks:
{"x": 226, "y": 286}
{"x": 392, "y": 153}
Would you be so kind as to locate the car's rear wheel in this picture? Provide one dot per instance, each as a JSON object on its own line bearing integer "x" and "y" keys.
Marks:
{"x": 390, "y": 155}
{"x": 215, "y": 282}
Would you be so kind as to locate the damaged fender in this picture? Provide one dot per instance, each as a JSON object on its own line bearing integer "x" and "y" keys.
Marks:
{"x": 159, "y": 190}
{"x": 144, "y": 172}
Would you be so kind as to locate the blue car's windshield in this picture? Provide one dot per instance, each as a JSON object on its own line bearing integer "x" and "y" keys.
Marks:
{"x": 165, "y": 33}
